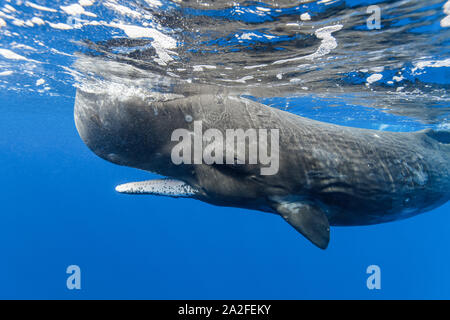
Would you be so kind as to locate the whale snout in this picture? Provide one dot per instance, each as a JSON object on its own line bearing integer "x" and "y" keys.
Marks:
{"x": 109, "y": 126}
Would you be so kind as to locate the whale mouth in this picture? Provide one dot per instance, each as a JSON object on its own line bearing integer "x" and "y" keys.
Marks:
{"x": 160, "y": 187}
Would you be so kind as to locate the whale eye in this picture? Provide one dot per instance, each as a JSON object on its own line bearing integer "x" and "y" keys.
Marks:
{"x": 188, "y": 118}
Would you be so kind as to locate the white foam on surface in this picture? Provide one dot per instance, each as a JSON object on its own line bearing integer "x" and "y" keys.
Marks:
{"x": 86, "y": 3}
{"x": 161, "y": 42}
{"x": 38, "y": 21}
{"x": 118, "y": 85}
{"x": 200, "y": 68}
{"x": 255, "y": 67}
{"x": 154, "y": 3}
{"x": 326, "y": 46}
{"x": 123, "y": 10}
{"x": 133, "y": 31}
{"x": 446, "y": 21}
{"x": 431, "y": 64}
{"x": 252, "y": 35}
{"x": 8, "y": 54}
{"x": 6, "y": 16}
{"x": 60, "y": 52}
{"x": 374, "y": 78}
{"x": 305, "y": 16}
{"x": 39, "y": 7}
{"x": 60, "y": 26}
{"x": 77, "y": 9}
{"x": 18, "y": 22}
{"x": 22, "y": 46}
{"x": 10, "y": 8}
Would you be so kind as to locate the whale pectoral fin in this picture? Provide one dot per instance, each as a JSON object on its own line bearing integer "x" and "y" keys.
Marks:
{"x": 308, "y": 219}
{"x": 161, "y": 187}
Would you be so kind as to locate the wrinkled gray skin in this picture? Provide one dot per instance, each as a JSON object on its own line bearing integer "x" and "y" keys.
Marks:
{"x": 328, "y": 173}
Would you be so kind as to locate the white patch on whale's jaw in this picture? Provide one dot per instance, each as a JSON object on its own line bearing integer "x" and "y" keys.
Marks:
{"x": 161, "y": 187}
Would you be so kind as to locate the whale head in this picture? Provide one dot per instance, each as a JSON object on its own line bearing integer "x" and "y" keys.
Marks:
{"x": 127, "y": 130}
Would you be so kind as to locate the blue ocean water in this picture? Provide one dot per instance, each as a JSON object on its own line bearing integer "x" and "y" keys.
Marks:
{"x": 59, "y": 207}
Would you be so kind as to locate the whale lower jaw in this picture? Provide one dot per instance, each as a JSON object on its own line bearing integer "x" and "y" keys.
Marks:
{"x": 307, "y": 218}
{"x": 160, "y": 187}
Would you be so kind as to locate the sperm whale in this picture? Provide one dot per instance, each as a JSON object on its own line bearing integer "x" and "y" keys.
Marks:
{"x": 327, "y": 175}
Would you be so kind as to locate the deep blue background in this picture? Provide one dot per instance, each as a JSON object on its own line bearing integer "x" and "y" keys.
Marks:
{"x": 59, "y": 207}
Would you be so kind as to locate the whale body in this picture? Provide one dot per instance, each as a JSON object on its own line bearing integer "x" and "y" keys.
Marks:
{"x": 329, "y": 175}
